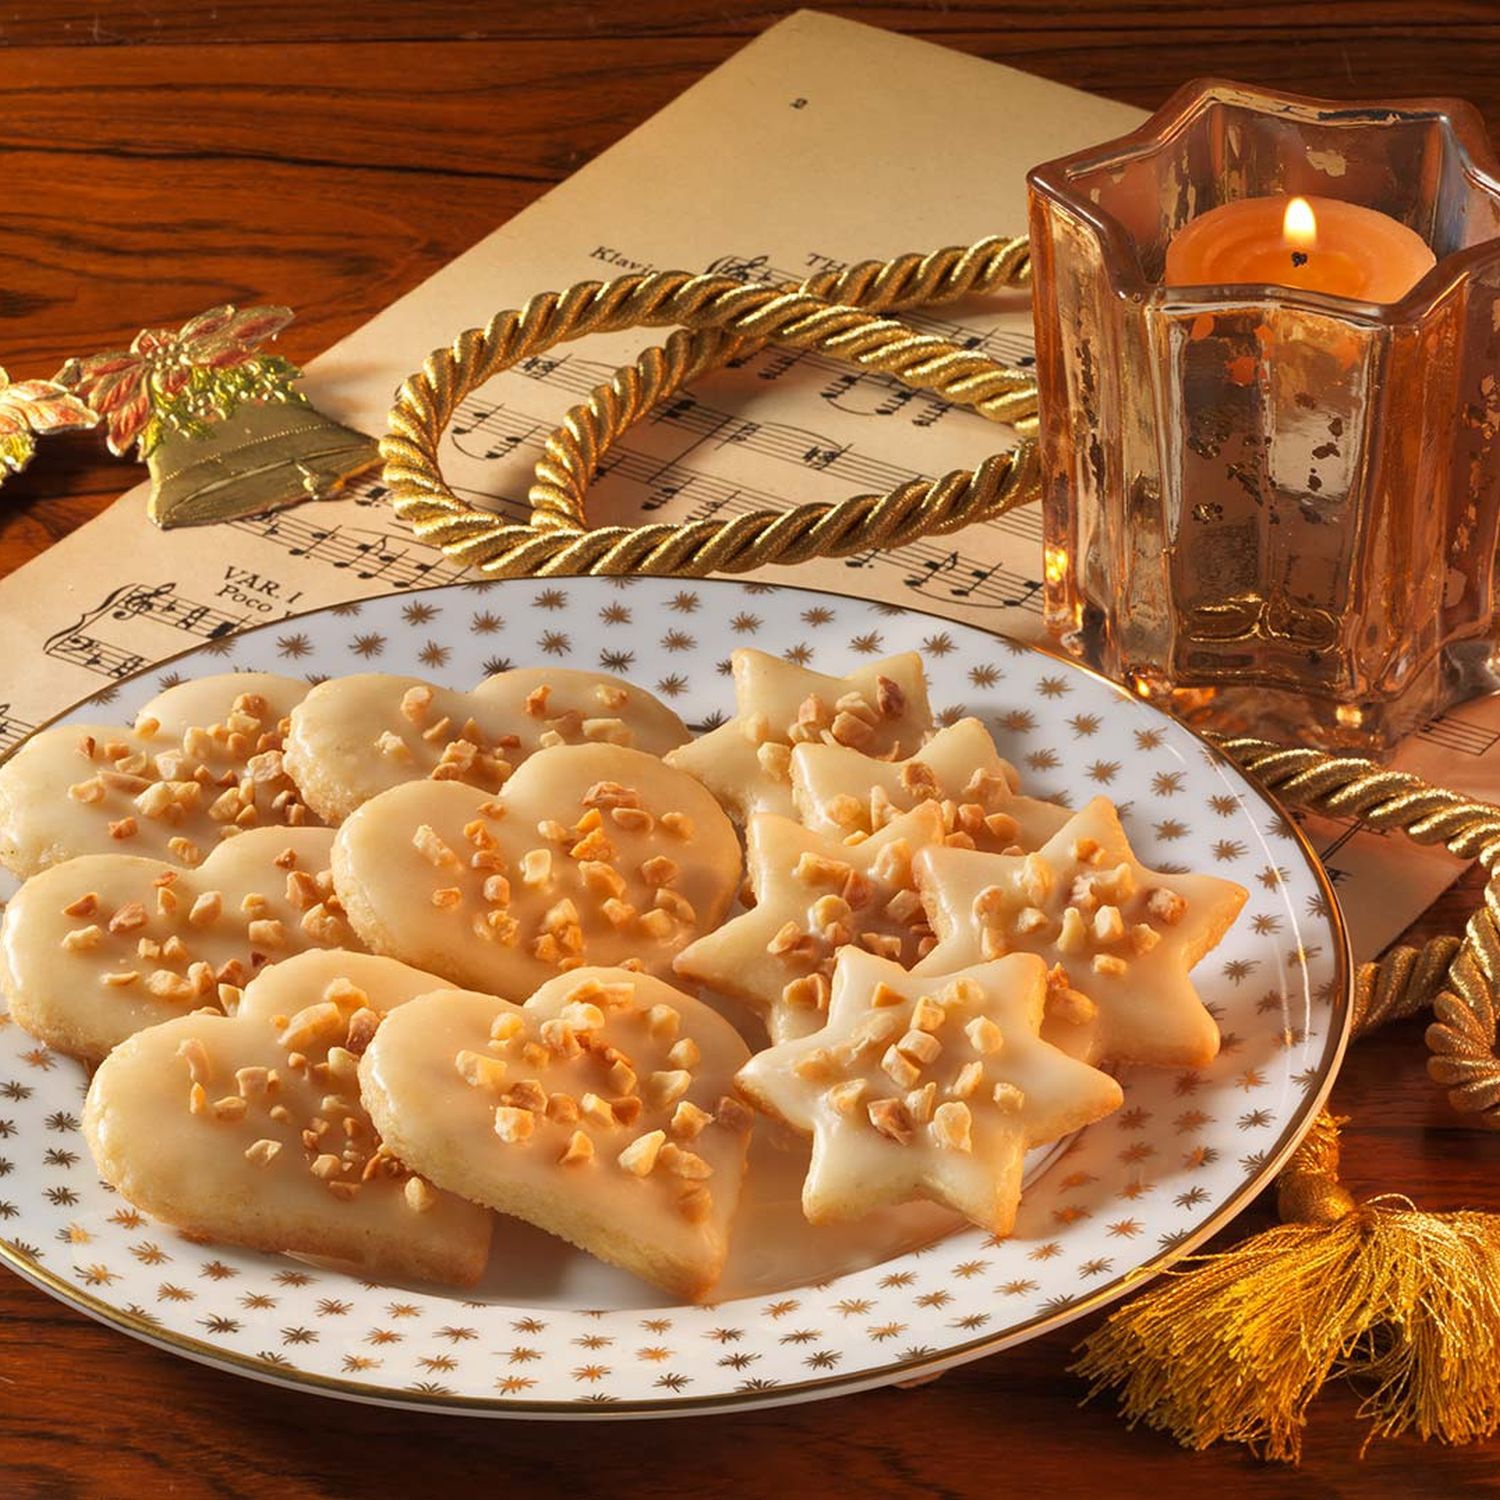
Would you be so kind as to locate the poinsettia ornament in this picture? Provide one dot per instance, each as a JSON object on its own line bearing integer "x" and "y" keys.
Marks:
{"x": 218, "y": 422}
{"x": 30, "y": 409}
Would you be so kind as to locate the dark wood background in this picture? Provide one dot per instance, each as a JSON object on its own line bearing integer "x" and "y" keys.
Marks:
{"x": 163, "y": 155}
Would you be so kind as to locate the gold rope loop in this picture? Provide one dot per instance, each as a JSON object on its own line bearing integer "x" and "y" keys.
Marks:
{"x": 1459, "y": 980}
{"x": 723, "y": 316}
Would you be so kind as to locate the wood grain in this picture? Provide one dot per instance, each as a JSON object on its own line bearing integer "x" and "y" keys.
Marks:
{"x": 165, "y": 156}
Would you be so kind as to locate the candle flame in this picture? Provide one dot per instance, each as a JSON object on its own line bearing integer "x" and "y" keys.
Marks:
{"x": 1299, "y": 225}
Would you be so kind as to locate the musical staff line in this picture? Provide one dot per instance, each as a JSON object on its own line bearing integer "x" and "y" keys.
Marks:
{"x": 368, "y": 553}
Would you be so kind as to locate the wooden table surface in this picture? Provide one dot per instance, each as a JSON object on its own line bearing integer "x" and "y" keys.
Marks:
{"x": 164, "y": 155}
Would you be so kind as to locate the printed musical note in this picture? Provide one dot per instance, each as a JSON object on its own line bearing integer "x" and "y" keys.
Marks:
{"x": 12, "y": 729}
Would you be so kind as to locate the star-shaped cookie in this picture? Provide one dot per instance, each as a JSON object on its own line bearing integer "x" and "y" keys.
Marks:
{"x": 814, "y": 895}
{"x": 841, "y": 790}
{"x": 927, "y": 1086}
{"x": 1119, "y": 938}
{"x": 880, "y": 709}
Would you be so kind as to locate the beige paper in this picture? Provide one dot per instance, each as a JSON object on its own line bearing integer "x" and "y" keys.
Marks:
{"x": 790, "y": 158}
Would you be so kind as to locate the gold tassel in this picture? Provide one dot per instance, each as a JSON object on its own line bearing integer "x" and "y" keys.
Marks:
{"x": 1405, "y": 1303}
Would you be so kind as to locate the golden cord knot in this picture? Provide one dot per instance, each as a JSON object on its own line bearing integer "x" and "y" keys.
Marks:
{"x": 1308, "y": 1191}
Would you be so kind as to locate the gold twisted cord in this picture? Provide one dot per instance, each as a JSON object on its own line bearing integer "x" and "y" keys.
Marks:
{"x": 1459, "y": 981}
{"x": 734, "y": 316}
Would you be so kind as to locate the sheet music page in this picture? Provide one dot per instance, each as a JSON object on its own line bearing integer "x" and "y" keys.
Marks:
{"x": 787, "y": 160}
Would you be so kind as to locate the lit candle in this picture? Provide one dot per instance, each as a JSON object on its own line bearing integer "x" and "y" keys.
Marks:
{"x": 1311, "y": 244}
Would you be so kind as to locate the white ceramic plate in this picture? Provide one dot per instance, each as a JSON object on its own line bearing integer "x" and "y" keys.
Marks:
{"x": 553, "y": 1333}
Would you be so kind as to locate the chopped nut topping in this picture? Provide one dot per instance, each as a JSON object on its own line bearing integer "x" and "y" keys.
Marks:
{"x": 536, "y": 867}
{"x": 984, "y": 1036}
{"x": 928, "y": 1015}
{"x": 640, "y": 1156}
{"x": 952, "y": 1127}
{"x": 231, "y": 1107}
{"x": 659, "y": 870}
{"x": 1144, "y": 937}
{"x": 120, "y": 980}
{"x": 262, "y": 1153}
{"x": 479, "y": 1071}
{"x": 920, "y": 1046}
{"x": 597, "y": 1110}
{"x": 580, "y": 1149}
{"x": 1036, "y": 879}
{"x": 130, "y": 916}
{"x": 808, "y": 992}
{"x": 1109, "y": 927}
{"x": 82, "y": 938}
{"x": 688, "y": 1121}
{"x": 900, "y": 1068}
{"x": 446, "y": 897}
{"x": 679, "y": 825}
{"x": 884, "y": 996}
{"x": 969, "y": 1077}
{"x": 514, "y": 1125}
{"x": 195, "y": 1055}
{"x": 662, "y": 1021}
{"x": 418, "y": 1194}
{"x": 667, "y": 1087}
{"x": 266, "y": 932}
{"x": 1008, "y": 1097}
{"x": 562, "y": 1108}
{"x": 1074, "y": 935}
{"x": 656, "y": 923}
{"x": 890, "y": 700}
{"x": 892, "y": 1119}
{"x": 731, "y": 1114}
{"x": 816, "y": 1066}
{"x": 1166, "y": 906}
{"x": 252, "y": 1082}
{"x": 844, "y": 1097}
{"x": 1109, "y": 963}
{"x": 681, "y": 1163}
{"x": 320, "y": 1022}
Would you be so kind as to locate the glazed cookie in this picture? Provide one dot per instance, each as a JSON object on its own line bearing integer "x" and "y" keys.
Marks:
{"x": 1120, "y": 939}
{"x": 96, "y": 948}
{"x": 202, "y": 762}
{"x": 814, "y": 895}
{"x": 880, "y": 709}
{"x": 600, "y": 1111}
{"x": 839, "y": 790}
{"x": 354, "y": 737}
{"x": 927, "y": 1087}
{"x": 590, "y": 854}
{"x": 249, "y": 1129}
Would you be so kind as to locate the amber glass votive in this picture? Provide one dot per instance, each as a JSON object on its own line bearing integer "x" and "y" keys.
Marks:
{"x": 1272, "y": 509}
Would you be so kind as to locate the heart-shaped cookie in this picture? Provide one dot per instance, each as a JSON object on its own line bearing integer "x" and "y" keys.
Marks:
{"x": 880, "y": 709}
{"x": 843, "y": 791}
{"x": 601, "y": 1111}
{"x": 352, "y": 738}
{"x": 94, "y": 949}
{"x": 249, "y": 1129}
{"x": 201, "y": 764}
{"x": 590, "y": 854}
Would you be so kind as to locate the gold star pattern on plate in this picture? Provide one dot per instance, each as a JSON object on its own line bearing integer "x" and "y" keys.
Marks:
{"x": 880, "y": 709}
{"x": 841, "y": 790}
{"x": 813, "y": 896}
{"x": 927, "y": 1086}
{"x": 1120, "y": 938}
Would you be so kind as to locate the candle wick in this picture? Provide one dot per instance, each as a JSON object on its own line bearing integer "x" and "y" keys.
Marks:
{"x": 1299, "y": 257}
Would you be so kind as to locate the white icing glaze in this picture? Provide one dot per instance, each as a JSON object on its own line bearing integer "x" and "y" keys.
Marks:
{"x": 1149, "y": 1012}
{"x": 354, "y": 737}
{"x": 191, "y": 1169}
{"x": 834, "y": 786}
{"x": 786, "y": 939}
{"x": 183, "y": 738}
{"x": 388, "y": 884}
{"x": 739, "y": 761}
{"x": 634, "y": 1041}
{"x": 54, "y": 962}
{"x": 869, "y": 1060}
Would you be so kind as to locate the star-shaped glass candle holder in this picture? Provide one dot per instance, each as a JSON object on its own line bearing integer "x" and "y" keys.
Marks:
{"x": 1273, "y": 509}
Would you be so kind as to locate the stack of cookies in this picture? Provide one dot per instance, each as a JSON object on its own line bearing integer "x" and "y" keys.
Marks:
{"x": 362, "y": 965}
